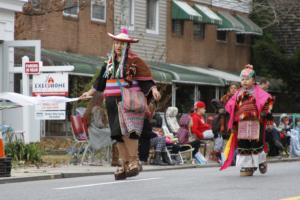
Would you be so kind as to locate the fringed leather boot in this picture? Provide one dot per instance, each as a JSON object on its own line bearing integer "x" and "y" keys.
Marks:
{"x": 133, "y": 167}
{"x": 115, "y": 156}
{"x": 263, "y": 167}
{"x": 249, "y": 171}
{"x": 120, "y": 174}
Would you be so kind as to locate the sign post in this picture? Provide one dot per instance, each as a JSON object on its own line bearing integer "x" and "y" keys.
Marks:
{"x": 36, "y": 69}
{"x": 25, "y": 91}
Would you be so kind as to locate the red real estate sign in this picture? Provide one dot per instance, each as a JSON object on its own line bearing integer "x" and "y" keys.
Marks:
{"x": 32, "y": 67}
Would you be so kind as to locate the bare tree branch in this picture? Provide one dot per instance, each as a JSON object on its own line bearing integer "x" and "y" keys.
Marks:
{"x": 41, "y": 7}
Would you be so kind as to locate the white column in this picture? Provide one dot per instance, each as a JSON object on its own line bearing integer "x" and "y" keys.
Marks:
{"x": 25, "y": 91}
{"x": 217, "y": 95}
{"x": 196, "y": 93}
{"x": 1, "y": 66}
{"x": 1, "y": 73}
{"x": 173, "y": 95}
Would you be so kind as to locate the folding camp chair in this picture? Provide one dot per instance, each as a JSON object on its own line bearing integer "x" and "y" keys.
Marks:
{"x": 80, "y": 136}
{"x": 173, "y": 126}
{"x": 182, "y": 155}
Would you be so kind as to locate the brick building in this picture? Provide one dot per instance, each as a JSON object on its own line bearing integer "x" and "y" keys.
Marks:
{"x": 217, "y": 40}
{"x": 72, "y": 27}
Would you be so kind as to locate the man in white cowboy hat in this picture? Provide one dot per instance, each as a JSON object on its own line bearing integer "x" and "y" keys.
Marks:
{"x": 124, "y": 69}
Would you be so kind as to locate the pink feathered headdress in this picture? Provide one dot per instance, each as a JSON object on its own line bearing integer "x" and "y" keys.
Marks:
{"x": 248, "y": 72}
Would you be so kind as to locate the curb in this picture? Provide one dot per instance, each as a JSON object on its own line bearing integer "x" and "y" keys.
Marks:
{"x": 30, "y": 178}
{"x": 279, "y": 160}
{"x": 83, "y": 174}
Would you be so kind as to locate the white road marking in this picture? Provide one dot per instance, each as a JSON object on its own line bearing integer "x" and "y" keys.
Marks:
{"x": 106, "y": 183}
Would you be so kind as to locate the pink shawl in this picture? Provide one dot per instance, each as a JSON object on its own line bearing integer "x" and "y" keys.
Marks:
{"x": 261, "y": 98}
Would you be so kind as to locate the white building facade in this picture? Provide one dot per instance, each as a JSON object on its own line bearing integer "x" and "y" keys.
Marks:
{"x": 18, "y": 118}
{"x": 147, "y": 21}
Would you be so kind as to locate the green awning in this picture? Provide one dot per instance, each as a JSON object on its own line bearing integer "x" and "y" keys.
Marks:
{"x": 183, "y": 11}
{"x": 83, "y": 65}
{"x": 187, "y": 75}
{"x": 88, "y": 65}
{"x": 208, "y": 16}
{"x": 162, "y": 72}
{"x": 229, "y": 22}
{"x": 249, "y": 26}
{"x": 162, "y": 76}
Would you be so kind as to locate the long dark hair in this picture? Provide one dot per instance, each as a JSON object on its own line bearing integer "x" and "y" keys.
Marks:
{"x": 97, "y": 100}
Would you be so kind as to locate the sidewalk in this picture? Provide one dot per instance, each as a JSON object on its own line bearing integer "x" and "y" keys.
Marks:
{"x": 71, "y": 171}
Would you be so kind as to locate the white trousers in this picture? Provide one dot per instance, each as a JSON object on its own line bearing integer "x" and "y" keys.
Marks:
{"x": 252, "y": 160}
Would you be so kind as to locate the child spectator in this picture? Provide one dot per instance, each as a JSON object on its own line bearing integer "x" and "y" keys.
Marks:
{"x": 200, "y": 129}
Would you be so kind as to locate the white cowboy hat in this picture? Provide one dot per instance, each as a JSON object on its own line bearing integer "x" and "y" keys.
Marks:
{"x": 123, "y": 36}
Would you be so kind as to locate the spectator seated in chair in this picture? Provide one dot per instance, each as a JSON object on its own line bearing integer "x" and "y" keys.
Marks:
{"x": 171, "y": 119}
{"x": 158, "y": 141}
{"x": 200, "y": 129}
{"x": 284, "y": 128}
{"x": 275, "y": 146}
{"x": 184, "y": 135}
{"x": 295, "y": 140}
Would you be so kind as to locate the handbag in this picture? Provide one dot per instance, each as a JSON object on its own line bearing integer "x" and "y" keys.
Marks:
{"x": 248, "y": 130}
{"x": 133, "y": 100}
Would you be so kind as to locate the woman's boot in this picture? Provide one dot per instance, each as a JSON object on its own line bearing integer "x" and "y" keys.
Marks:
{"x": 120, "y": 174}
{"x": 115, "y": 156}
{"x": 263, "y": 167}
{"x": 166, "y": 158}
{"x": 158, "y": 159}
{"x": 133, "y": 167}
{"x": 247, "y": 171}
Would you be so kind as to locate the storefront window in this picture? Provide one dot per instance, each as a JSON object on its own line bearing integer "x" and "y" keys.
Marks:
{"x": 185, "y": 98}
{"x": 206, "y": 94}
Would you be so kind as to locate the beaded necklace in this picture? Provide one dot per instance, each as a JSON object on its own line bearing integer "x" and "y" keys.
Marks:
{"x": 111, "y": 70}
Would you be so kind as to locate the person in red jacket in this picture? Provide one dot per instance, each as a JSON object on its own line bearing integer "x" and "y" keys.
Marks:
{"x": 200, "y": 129}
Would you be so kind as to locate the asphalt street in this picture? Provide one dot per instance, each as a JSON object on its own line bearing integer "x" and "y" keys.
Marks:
{"x": 282, "y": 181}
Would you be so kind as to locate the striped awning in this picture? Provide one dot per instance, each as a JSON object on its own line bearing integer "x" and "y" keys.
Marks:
{"x": 183, "y": 11}
{"x": 208, "y": 16}
{"x": 229, "y": 22}
{"x": 249, "y": 26}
